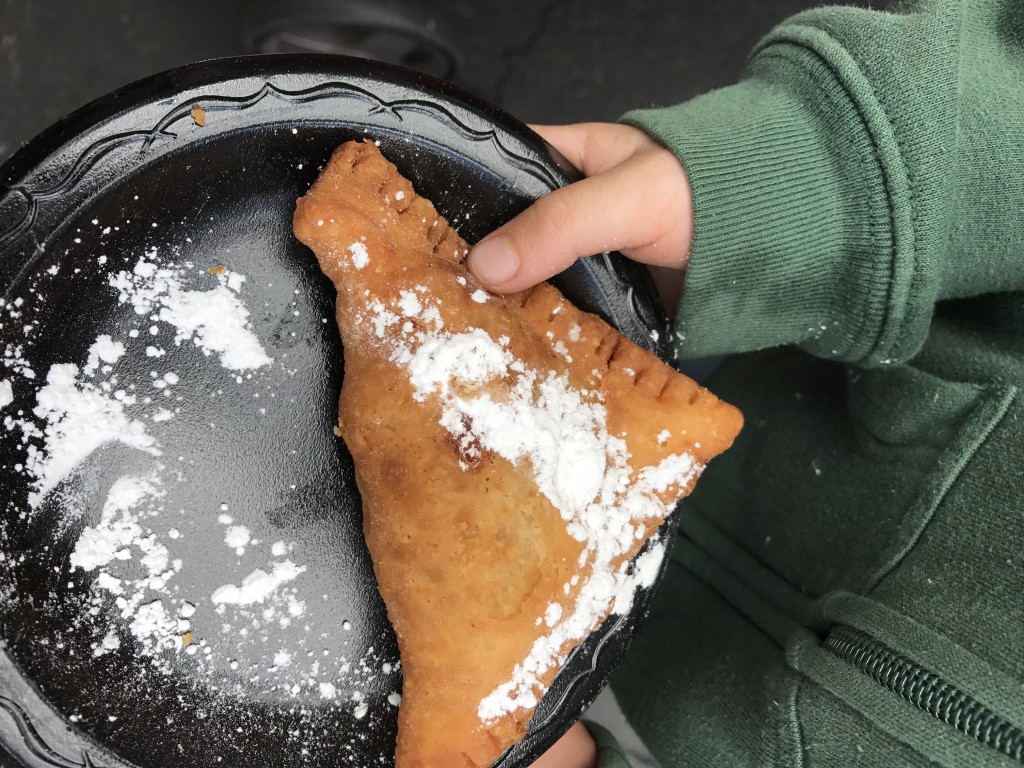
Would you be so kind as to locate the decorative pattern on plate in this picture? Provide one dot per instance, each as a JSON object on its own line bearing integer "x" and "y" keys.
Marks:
{"x": 33, "y": 751}
{"x": 213, "y": 102}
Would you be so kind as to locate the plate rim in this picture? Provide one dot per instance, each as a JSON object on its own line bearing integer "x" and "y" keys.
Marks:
{"x": 107, "y": 106}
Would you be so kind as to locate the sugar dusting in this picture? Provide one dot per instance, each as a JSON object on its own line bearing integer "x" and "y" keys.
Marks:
{"x": 215, "y": 320}
{"x": 257, "y": 586}
{"x": 79, "y": 418}
{"x": 359, "y": 254}
{"x": 130, "y": 557}
{"x": 539, "y": 419}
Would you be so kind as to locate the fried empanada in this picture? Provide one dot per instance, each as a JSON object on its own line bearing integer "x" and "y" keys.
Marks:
{"x": 513, "y": 454}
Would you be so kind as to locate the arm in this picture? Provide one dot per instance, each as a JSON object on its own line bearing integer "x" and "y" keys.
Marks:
{"x": 868, "y": 166}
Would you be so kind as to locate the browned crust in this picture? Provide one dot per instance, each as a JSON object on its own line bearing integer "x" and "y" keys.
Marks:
{"x": 468, "y": 556}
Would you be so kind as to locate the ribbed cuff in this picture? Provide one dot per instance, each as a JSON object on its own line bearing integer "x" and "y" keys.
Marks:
{"x": 609, "y": 753}
{"x": 792, "y": 241}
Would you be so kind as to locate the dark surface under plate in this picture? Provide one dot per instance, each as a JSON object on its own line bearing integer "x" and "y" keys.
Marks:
{"x": 133, "y": 174}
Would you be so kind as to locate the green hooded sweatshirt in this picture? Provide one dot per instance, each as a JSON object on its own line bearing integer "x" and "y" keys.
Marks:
{"x": 847, "y": 587}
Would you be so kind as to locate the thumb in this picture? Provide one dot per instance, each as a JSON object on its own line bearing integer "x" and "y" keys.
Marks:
{"x": 641, "y": 207}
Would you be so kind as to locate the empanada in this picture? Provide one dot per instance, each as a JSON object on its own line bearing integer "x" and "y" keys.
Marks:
{"x": 513, "y": 455}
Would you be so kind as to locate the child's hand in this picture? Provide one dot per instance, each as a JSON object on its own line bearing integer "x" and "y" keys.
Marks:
{"x": 574, "y": 750}
{"x": 635, "y": 199}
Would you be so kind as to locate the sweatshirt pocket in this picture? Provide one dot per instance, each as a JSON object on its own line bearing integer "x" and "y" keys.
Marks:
{"x": 930, "y": 649}
{"x": 919, "y": 688}
{"x": 958, "y": 570}
{"x": 927, "y": 690}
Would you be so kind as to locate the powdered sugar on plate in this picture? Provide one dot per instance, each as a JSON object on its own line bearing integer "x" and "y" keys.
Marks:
{"x": 88, "y": 437}
{"x": 79, "y": 418}
{"x": 6, "y": 393}
{"x": 258, "y": 586}
{"x": 215, "y": 320}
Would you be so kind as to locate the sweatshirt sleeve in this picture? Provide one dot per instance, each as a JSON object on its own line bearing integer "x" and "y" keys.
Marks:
{"x": 869, "y": 164}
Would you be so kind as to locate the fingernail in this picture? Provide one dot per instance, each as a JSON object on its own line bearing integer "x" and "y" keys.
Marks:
{"x": 493, "y": 261}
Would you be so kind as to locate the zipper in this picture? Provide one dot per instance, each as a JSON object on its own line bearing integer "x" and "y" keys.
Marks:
{"x": 926, "y": 690}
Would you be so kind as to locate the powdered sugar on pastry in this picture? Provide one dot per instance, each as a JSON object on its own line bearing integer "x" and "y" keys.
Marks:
{"x": 561, "y": 433}
{"x": 360, "y": 256}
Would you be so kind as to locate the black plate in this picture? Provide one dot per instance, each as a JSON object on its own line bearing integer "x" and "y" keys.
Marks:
{"x": 134, "y": 171}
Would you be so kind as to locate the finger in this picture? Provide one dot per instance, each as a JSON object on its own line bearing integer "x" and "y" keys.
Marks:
{"x": 594, "y": 148}
{"x": 551, "y": 234}
{"x": 576, "y": 749}
{"x": 640, "y": 207}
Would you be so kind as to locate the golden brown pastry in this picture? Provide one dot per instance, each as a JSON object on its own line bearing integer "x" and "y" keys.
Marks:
{"x": 513, "y": 455}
